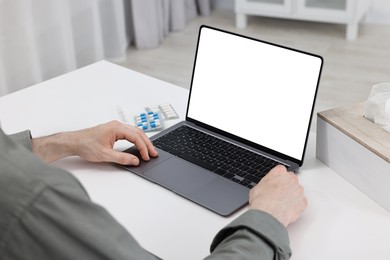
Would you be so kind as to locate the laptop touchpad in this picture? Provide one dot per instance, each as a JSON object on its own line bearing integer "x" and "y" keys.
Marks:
{"x": 180, "y": 176}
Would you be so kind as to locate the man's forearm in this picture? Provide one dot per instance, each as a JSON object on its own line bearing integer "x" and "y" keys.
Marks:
{"x": 53, "y": 147}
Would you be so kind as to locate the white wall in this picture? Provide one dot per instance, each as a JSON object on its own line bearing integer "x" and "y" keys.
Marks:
{"x": 379, "y": 13}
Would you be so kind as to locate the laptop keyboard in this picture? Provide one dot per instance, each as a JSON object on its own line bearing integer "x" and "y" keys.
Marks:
{"x": 223, "y": 158}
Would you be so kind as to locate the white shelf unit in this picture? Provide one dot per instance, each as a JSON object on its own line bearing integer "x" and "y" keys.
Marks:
{"x": 348, "y": 12}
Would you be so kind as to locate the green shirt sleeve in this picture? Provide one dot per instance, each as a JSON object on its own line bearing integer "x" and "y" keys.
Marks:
{"x": 23, "y": 138}
{"x": 62, "y": 223}
{"x": 46, "y": 214}
{"x": 253, "y": 235}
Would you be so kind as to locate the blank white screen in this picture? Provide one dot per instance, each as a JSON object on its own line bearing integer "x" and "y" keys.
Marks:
{"x": 254, "y": 90}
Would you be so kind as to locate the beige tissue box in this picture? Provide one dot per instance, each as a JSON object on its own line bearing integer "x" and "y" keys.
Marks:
{"x": 356, "y": 149}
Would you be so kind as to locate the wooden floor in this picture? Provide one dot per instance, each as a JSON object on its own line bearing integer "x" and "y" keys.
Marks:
{"x": 350, "y": 67}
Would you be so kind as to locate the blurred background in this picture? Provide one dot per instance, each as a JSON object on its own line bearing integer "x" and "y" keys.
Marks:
{"x": 41, "y": 39}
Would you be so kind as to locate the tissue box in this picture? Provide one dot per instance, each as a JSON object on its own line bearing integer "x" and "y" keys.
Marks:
{"x": 356, "y": 149}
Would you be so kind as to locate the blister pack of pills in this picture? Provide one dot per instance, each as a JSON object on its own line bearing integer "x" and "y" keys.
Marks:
{"x": 149, "y": 121}
{"x": 166, "y": 110}
{"x": 154, "y": 117}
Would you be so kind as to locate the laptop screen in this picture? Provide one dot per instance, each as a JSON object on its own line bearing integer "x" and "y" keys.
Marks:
{"x": 255, "y": 90}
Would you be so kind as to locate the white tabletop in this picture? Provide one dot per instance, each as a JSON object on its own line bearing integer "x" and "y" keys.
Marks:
{"x": 339, "y": 223}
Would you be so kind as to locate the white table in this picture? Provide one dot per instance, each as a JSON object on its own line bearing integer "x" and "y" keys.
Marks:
{"x": 339, "y": 223}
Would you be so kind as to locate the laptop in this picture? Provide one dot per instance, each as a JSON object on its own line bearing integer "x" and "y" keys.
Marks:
{"x": 249, "y": 109}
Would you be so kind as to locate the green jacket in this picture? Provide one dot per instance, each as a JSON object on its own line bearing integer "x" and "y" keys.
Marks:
{"x": 45, "y": 213}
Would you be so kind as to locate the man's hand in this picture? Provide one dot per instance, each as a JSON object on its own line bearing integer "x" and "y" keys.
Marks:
{"x": 280, "y": 195}
{"x": 95, "y": 144}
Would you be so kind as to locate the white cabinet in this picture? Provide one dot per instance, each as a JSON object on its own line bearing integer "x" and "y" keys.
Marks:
{"x": 348, "y": 12}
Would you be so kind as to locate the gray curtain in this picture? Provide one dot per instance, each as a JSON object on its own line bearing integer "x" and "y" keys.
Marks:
{"x": 149, "y": 21}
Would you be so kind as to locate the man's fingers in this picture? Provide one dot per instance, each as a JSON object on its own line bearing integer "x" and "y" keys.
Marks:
{"x": 121, "y": 158}
{"x": 144, "y": 146}
{"x": 278, "y": 169}
{"x": 152, "y": 150}
{"x": 149, "y": 147}
{"x": 140, "y": 140}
